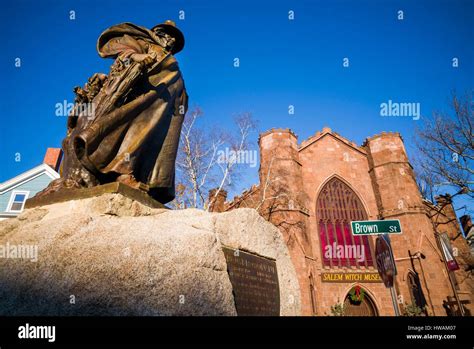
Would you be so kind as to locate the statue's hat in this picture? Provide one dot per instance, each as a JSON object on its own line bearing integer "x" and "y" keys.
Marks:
{"x": 169, "y": 27}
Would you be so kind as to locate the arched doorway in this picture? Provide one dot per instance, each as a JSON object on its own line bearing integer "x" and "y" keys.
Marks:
{"x": 365, "y": 307}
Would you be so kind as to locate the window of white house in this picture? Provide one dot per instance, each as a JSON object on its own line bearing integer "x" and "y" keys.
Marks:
{"x": 17, "y": 201}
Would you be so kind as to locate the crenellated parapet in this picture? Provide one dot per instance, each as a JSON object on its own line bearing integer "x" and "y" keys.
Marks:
{"x": 327, "y": 131}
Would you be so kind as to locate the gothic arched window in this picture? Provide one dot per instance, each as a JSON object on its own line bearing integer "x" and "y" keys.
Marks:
{"x": 337, "y": 205}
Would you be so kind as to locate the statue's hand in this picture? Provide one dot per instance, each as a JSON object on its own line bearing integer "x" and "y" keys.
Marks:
{"x": 146, "y": 58}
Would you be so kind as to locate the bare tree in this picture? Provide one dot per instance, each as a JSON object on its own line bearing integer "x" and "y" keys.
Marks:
{"x": 209, "y": 158}
{"x": 238, "y": 146}
{"x": 425, "y": 182}
{"x": 272, "y": 189}
{"x": 446, "y": 148}
{"x": 276, "y": 200}
{"x": 196, "y": 157}
{"x": 179, "y": 202}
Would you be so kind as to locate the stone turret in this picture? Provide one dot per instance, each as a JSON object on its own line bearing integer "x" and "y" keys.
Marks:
{"x": 398, "y": 197}
{"x": 217, "y": 203}
{"x": 392, "y": 173}
{"x": 284, "y": 201}
{"x": 280, "y": 169}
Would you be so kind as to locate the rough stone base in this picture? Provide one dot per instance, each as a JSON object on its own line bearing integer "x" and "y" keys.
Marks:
{"x": 111, "y": 255}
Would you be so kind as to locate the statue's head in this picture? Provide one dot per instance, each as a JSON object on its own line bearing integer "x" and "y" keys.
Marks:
{"x": 169, "y": 28}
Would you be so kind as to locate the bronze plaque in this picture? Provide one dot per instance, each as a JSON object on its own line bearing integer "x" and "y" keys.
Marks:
{"x": 254, "y": 281}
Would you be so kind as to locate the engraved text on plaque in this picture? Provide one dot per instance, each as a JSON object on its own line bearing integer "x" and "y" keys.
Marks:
{"x": 255, "y": 283}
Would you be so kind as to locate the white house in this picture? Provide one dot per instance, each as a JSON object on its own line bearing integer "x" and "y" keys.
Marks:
{"x": 15, "y": 191}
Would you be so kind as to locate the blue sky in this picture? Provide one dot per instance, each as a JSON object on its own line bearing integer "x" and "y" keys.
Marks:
{"x": 282, "y": 63}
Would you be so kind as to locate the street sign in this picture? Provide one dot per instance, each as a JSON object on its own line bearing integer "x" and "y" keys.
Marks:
{"x": 385, "y": 262}
{"x": 391, "y": 226}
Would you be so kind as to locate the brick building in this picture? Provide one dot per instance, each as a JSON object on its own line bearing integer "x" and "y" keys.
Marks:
{"x": 313, "y": 190}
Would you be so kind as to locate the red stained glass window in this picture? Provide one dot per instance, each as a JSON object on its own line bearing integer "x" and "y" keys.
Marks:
{"x": 336, "y": 207}
{"x": 323, "y": 240}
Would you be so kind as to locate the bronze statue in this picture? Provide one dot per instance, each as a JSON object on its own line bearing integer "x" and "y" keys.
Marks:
{"x": 132, "y": 134}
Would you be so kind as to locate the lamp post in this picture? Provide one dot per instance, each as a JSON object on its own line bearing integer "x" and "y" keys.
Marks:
{"x": 463, "y": 190}
{"x": 421, "y": 297}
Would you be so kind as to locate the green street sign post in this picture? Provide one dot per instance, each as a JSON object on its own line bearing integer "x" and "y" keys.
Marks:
{"x": 391, "y": 226}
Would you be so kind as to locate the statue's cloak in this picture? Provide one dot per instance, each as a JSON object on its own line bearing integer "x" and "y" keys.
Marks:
{"x": 139, "y": 133}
